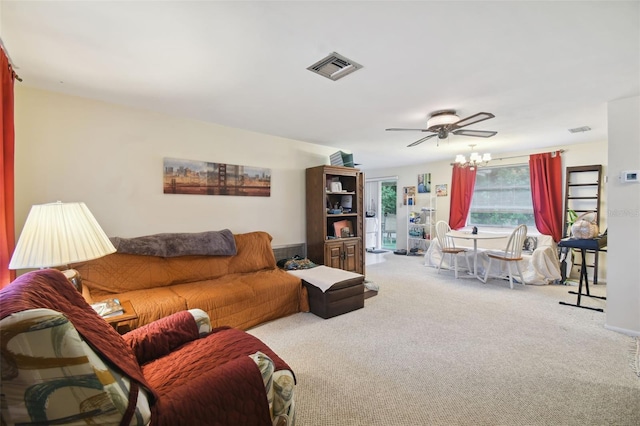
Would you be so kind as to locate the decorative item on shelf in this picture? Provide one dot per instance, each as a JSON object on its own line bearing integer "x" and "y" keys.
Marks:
{"x": 339, "y": 226}
{"x": 336, "y": 186}
{"x": 475, "y": 159}
{"x": 585, "y": 226}
{"x": 341, "y": 158}
{"x": 346, "y": 203}
{"x": 414, "y": 217}
{"x": 59, "y": 234}
{"x": 416, "y": 232}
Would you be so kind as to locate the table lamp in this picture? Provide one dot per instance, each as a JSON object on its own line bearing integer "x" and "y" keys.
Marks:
{"x": 58, "y": 234}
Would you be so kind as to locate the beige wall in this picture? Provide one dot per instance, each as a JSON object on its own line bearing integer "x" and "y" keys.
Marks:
{"x": 111, "y": 158}
{"x": 623, "y": 285}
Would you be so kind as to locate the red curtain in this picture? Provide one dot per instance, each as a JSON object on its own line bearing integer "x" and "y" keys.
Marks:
{"x": 463, "y": 180}
{"x": 546, "y": 191}
{"x": 7, "y": 221}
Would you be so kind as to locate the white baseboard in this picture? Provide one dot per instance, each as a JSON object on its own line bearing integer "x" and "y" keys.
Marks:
{"x": 633, "y": 333}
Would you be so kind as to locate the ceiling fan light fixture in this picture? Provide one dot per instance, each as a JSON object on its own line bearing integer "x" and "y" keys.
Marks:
{"x": 440, "y": 119}
{"x": 444, "y": 122}
{"x": 475, "y": 159}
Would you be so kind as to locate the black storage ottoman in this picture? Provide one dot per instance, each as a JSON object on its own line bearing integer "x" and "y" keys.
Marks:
{"x": 342, "y": 297}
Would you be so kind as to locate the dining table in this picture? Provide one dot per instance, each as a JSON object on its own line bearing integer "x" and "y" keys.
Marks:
{"x": 468, "y": 235}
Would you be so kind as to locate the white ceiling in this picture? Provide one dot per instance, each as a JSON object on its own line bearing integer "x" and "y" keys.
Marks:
{"x": 541, "y": 67}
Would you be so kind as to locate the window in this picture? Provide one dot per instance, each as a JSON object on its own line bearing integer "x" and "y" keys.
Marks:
{"x": 502, "y": 197}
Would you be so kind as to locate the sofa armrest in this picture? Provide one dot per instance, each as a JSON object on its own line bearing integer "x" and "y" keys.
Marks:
{"x": 161, "y": 337}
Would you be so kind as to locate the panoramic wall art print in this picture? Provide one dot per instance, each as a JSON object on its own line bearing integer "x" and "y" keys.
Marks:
{"x": 204, "y": 178}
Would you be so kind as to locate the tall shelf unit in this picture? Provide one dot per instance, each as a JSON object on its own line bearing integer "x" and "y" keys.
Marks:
{"x": 582, "y": 194}
{"x": 334, "y": 201}
{"x": 421, "y": 225}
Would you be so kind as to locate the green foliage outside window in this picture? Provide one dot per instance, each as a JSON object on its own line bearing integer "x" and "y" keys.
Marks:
{"x": 389, "y": 197}
{"x": 502, "y": 197}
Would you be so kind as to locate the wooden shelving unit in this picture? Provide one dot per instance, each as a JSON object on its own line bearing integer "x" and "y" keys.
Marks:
{"x": 328, "y": 210}
{"x": 583, "y": 191}
{"x": 421, "y": 225}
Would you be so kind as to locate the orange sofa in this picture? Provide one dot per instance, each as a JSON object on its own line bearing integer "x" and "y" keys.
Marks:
{"x": 240, "y": 291}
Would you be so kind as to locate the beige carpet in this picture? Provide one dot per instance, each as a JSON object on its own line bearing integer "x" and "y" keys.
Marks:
{"x": 432, "y": 350}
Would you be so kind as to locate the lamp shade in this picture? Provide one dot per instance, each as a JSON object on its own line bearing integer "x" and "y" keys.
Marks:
{"x": 57, "y": 234}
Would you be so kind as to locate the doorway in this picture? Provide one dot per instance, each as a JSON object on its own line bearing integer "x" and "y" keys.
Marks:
{"x": 380, "y": 220}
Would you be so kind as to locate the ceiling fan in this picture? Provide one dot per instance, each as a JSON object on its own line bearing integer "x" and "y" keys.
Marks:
{"x": 441, "y": 123}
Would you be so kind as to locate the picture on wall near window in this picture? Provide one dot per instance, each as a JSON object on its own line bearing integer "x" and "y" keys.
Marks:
{"x": 204, "y": 178}
{"x": 409, "y": 194}
{"x": 441, "y": 190}
{"x": 424, "y": 183}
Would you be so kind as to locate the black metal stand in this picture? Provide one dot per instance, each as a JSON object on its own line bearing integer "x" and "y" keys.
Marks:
{"x": 583, "y": 276}
{"x": 584, "y": 245}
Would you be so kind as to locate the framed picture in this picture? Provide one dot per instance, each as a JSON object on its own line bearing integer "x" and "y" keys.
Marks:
{"x": 409, "y": 195}
{"x": 424, "y": 183}
{"x": 441, "y": 190}
{"x": 205, "y": 178}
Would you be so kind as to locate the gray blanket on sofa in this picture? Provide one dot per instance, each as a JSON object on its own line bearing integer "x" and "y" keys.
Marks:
{"x": 211, "y": 243}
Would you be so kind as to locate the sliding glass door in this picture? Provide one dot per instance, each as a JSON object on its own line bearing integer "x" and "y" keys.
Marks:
{"x": 380, "y": 218}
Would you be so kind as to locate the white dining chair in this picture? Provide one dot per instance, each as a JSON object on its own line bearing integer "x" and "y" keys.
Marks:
{"x": 512, "y": 254}
{"x": 448, "y": 246}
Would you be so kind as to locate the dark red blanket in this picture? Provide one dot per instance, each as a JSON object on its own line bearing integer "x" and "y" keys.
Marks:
{"x": 212, "y": 381}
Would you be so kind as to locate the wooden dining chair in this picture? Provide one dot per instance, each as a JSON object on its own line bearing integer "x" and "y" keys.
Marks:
{"x": 448, "y": 246}
{"x": 512, "y": 254}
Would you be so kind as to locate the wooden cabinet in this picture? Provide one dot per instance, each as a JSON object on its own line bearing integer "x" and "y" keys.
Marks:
{"x": 335, "y": 223}
{"x": 343, "y": 254}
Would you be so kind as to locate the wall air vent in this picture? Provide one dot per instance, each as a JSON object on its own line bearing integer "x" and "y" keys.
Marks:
{"x": 334, "y": 66}
{"x": 580, "y": 129}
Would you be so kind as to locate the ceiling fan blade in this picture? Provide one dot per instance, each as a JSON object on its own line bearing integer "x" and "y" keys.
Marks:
{"x": 472, "y": 119}
{"x": 476, "y": 133}
{"x": 395, "y": 129}
{"x": 419, "y": 141}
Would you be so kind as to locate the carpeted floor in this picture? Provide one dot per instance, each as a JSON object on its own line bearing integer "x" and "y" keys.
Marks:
{"x": 433, "y": 350}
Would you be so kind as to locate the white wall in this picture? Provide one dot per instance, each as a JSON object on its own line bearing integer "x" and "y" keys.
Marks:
{"x": 623, "y": 285}
{"x": 111, "y": 158}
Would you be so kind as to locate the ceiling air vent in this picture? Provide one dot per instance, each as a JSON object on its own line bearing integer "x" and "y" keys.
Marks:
{"x": 334, "y": 66}
{"x": 580, "y": 129}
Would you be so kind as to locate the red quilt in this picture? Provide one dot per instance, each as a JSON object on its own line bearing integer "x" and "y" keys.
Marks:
{"x": 212, "y": 381}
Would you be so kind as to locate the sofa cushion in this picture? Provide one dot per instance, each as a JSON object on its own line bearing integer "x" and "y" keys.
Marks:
{"x": 245, "y": 300}
{"x": 119, "y": 273}
{"x": 254, "y": 253}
